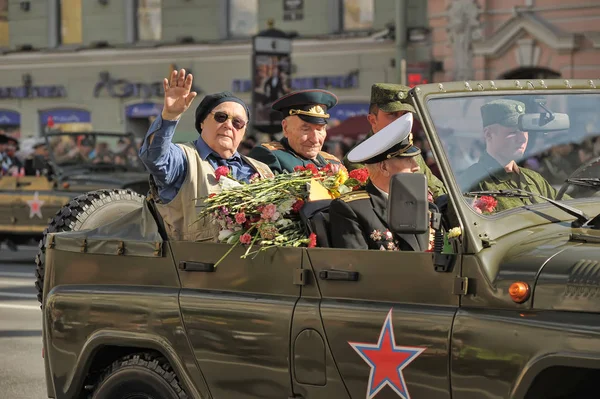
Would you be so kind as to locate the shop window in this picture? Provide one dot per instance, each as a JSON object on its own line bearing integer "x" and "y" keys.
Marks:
{"x": 242, "y": 18}
{"x": 4, "y": 23}
{"x": 357, "y": 14}
{"x": 70, "y": 22}
{"x": 149, "y": 20}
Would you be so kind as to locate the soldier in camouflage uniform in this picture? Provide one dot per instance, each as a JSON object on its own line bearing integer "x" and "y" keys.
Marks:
{"x": 388, "y": 103}
{"x": 497, "y": 168}
{"x": 304, "y": 123}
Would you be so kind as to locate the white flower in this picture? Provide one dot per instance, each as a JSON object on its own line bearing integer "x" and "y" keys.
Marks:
{"x": 286, "y": 206}
{"x": 388, "y": 235}
{"x": 227, "y": 183}
{"x": 454, "y": 232}
{"x": 283, "y": 222}
{"x": 224, "y": 234}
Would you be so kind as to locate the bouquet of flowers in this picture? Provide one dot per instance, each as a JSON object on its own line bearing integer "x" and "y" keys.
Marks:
{"x": 485, "y": 205}
{"x": 265, "y": 212}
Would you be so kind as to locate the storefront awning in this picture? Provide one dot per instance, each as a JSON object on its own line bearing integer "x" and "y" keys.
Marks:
{"x": 9, "y": 118}
{"x": 143, "y": 110}
{"x": 342, "y": 112}
{"x": 65, "y": 115}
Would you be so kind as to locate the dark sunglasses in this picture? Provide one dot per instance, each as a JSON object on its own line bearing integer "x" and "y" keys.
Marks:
{"x": 221, "y": 117}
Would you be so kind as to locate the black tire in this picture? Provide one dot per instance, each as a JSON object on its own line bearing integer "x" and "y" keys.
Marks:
{"x": 86, "y": 211}
{"x": 139, "y": 376}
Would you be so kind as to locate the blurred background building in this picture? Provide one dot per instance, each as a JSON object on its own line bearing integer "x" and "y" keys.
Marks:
{"x": 99, "y": 64}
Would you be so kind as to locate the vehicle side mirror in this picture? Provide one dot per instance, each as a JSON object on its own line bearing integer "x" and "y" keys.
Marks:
{"x": 408, "y": 209}
{"x": 543, "y": 122}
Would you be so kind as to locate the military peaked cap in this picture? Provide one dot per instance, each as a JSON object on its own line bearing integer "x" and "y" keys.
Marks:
{"x": 309, "y": 105}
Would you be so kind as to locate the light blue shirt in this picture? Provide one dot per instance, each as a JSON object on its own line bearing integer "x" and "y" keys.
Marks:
{"x": 166, "y": 161}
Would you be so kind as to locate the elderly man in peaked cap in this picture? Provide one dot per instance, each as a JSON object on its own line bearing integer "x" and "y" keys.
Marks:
{"x": 304, "y": 123}
{"x": 184, "y": 173}
{"x": 389, "y": 102}
{"x": 497, "y": 167}
{"x": 358, "y": 219}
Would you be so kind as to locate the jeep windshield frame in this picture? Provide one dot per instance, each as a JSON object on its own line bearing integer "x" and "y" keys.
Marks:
{"x": 481, "y": 229}
{"x": 68, "y": 166}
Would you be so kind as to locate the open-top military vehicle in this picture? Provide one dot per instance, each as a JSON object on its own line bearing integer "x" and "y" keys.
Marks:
{"x": 512, "y": 311}
{"x": 77, "y": 163}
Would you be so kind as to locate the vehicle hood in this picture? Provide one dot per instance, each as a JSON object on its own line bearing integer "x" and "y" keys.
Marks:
{"x": 570, "y": 280}
{"x": 87, "y": 181}
{"x": 560, "y": 264}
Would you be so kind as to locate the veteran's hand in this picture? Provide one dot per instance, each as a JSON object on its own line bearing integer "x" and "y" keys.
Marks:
{"x": 335, "y": 167}
{"x": 177, "y": 94}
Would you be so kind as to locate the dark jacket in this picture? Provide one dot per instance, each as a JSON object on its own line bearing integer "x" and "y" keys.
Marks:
{"x": 279, "y": 156}
{"x": 355, "y": 216}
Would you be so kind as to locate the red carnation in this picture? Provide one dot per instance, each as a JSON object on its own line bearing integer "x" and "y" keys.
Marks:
{"x": 359, "y": 174}
{"x": 313, "y": 169}
{"x": 297, "y": 205}
{"x": 485, "y": 204}
{"x": 312, "y": 240}
{"x": 246, "y": 238}
{"x": 299, "y": 168}
{"x": 221, "y": 171}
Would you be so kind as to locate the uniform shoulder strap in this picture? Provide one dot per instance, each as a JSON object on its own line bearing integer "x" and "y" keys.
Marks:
{"x": 273, "y": 145}
{"x": 329, "y": 156}
{"x": 354, "y": 195}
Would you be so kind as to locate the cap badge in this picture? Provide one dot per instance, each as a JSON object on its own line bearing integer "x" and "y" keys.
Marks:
{"x": 401, "y": 95}
{"x": 317, "y": 110}
{"x": 519, "y": 108}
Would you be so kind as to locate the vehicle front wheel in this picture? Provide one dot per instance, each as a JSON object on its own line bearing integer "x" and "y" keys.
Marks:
{"x": 139, "y": 376}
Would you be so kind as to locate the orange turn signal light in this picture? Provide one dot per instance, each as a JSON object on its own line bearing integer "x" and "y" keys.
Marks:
{"x": 519, "y": 291}
{"x": 66, "y": 185}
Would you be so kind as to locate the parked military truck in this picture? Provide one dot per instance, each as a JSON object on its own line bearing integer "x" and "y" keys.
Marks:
{"x": 77, "y": 162}
{"x": 512, "y": 311}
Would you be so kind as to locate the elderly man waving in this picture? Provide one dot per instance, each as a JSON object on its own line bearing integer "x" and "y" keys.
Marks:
{"x": 184, "y": 173}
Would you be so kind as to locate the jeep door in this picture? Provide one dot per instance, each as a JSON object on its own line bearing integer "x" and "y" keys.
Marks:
{"x": 387, "y": 318}
{"x": 238, "y": 316}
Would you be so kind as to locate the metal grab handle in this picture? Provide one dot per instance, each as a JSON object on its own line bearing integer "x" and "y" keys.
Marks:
{"x": 188, "y": 266}
{"x": 338, "y": 275}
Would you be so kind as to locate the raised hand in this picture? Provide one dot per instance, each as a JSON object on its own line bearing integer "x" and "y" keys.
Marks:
{"x": 177, "y": 94}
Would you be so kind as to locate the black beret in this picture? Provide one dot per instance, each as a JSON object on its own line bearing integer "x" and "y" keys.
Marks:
{"x": 3, "y": 139}
{"x": 209, "y": 103}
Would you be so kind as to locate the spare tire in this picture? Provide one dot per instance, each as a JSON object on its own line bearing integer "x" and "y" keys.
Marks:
{"x": 85, "y": 212}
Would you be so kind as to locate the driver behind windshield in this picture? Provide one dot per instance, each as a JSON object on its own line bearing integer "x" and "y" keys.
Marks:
{"x": 497, "y": 167}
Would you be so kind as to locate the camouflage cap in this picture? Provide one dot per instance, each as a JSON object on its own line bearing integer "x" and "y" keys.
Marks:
{"x": 390, "y": 97}
{"x": 504, "y": 112}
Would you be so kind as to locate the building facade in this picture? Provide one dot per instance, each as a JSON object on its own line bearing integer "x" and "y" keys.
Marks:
{"x": 99, "y": 64}
{"x": 515, "y": 39}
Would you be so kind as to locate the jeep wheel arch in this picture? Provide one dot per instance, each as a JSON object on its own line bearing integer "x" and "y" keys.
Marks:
{"x": 139, "y": 375}
{"x": 86, "y": 211}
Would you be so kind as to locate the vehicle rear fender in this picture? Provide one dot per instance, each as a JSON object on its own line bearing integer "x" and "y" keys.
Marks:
{"x": 564, "y": 360}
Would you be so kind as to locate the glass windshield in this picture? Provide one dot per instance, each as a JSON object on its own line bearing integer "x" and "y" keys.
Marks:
{"x": 547, "y": 144}
{"x": 95, "y": 150}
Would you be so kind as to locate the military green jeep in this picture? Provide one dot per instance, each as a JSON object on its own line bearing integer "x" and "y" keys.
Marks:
{"x": 507, "y": 308}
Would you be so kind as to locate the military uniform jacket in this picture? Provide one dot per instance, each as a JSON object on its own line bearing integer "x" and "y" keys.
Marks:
{"x": 355, "y": 216}
{"x": 435, "y": 185}
{"x": 487, "y": 174}
{"x": 279, "y": 157}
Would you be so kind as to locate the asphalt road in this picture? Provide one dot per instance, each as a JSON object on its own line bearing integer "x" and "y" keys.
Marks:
{"x": 21, "y": 363}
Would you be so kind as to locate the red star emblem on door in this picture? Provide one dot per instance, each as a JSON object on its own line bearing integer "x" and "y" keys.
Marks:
{"x": 35, "y": 206}
{"x": 387, "y": 360}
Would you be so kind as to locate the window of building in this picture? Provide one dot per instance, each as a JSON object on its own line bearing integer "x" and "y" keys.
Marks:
{"x": 70, "y": 22}
{"x": 149, "y": 20}
{"x": 242, "y": 18}
{"x": 357, "y": 14}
